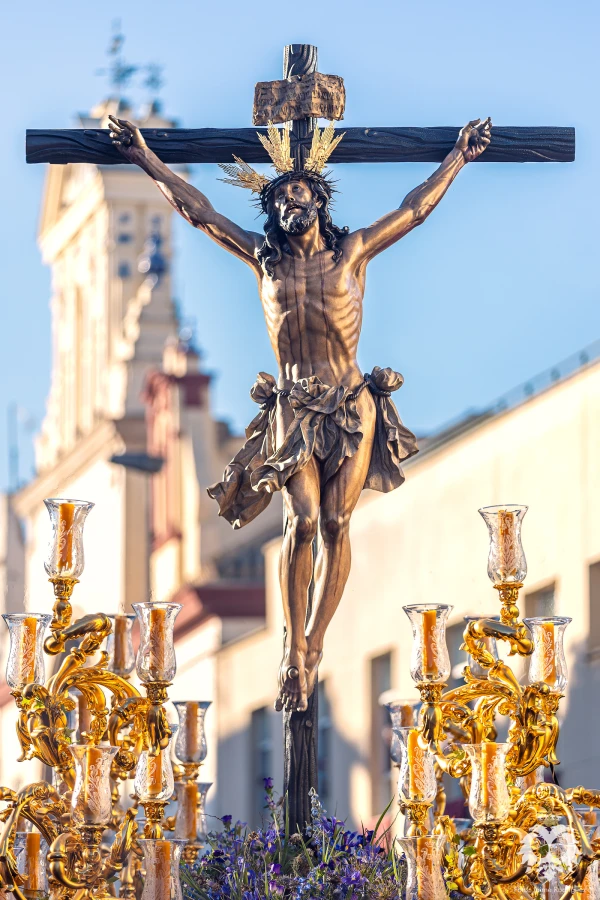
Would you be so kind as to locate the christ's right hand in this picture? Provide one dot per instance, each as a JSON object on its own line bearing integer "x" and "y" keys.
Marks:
{"x": 127, "y": 137}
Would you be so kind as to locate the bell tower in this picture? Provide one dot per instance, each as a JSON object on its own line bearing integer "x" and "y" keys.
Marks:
{"x": 105, "y": 232}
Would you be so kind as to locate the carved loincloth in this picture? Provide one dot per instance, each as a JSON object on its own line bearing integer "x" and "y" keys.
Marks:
{"x": 327, "y": 426}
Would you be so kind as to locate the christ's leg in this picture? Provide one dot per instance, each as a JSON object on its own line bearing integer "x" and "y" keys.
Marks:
{"x": 301, "y": 498}
{"x": 339, "y": 497}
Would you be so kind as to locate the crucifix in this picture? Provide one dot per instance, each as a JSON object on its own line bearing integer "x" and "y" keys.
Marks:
{"x": 325, "y": 431}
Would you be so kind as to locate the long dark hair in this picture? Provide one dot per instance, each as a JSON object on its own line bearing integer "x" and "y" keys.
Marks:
{"x": 275, "y": 244}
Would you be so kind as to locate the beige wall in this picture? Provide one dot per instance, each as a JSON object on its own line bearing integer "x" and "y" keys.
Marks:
{"x": 426, "y": 542}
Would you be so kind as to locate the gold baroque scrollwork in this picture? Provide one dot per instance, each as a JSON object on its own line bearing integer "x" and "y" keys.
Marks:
{"x": 76, "y": 865}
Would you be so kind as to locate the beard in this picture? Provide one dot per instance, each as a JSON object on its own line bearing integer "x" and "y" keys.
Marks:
{"x": 299, "y": 224}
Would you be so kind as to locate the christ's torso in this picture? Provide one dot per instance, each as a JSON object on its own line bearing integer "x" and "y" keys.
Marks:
{"x": 313, "y": 311}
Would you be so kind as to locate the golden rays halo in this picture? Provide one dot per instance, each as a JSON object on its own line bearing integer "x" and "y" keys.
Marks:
{"x": 277, "y": 144}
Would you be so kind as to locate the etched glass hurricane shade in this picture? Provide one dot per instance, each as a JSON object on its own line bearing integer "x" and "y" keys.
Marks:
{"x": 25, "y": 663}
{"x": 190, "y": 746}
{"x": 190, "y": 823}
{"x": 154, "y": 776}
{"x": 547, "y": 663}
{"x": 65, "y": 548}
{"x": 30, "y": 851}
{"x": 161, "y": 862}
{"x": 91, "y": 800}
{"x": 156, "y": 654}
{"x": 119, "y": 645}
{"x": 402, "y": 715}
{"x": 424, "y": 879}
{"x": 429, "y": 661}
{"x": 489, "y": 798}
{"x": 506, "y": 559}
{"x": 417, "y": 782}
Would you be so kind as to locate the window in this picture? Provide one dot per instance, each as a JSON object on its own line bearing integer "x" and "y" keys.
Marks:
{"x": 594, "y": 602}
{"x": 124, "y": 238}
{"x": 540, "y": 603}
{"x": 262, "y": 761}
{"x": 381, "y": 733}
{"x": 124, "y": 270}
{"x": 324, "y": 745}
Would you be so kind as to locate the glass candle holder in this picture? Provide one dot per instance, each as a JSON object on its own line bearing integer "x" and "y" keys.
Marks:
{"x": 30, "y": 851}
{"x": 161, "y": 862}
{"x": 429, "y": 661}
{"x": 417, "y": 781}
{"x": 154, "y": 776}
{"x": 489, "y": 798}
{"x": 190, "y": 746}
{"x": 490, "y": 645}
{"x": 119, "y": 645}
{"x": 91, "y": 800}
{"x": 156, "y": 654}
{"x": 190, "y": 823}
{"x": 401, "y": 712}
{"x": 424, "y": 878}
{"x": 25, "y": 663}
{"x": 547, "y": 663}
{"x": 65, "y": 548}
{"x": 402, "y": 715}
{"x": 506, "y": 560}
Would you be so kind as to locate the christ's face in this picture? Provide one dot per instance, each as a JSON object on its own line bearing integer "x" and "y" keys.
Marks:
{"x": 296, "y": 207}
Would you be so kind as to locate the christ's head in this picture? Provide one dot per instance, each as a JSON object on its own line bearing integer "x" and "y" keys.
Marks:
{"x": 293, "y": 203}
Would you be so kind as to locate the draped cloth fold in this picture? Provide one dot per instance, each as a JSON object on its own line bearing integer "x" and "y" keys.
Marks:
{"x": 327, "y": 426}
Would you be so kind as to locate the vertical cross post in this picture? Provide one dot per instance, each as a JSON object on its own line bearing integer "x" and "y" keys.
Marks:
{"x": 300, "y": 729}
{"x": 300, "y": 748}
{"x": 300, "y": 59}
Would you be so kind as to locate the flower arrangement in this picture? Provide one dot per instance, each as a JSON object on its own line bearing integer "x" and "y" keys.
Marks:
{"x": 326, "y": 861}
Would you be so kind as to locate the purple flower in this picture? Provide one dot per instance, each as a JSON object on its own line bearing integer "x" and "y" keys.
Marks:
{"x": 353, "y": 879}
{"x": 268, "y": 783}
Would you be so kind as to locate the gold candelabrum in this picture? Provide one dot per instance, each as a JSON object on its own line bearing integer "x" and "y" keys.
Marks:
{"x": 77, "y": 836}
{"x": 529, "y": 838}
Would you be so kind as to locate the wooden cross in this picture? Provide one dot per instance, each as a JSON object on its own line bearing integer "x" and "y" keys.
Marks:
{"x": 213, "y": 145}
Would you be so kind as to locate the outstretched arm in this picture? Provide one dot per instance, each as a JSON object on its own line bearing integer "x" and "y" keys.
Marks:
{"x": 187, "y": 200}
{"x": 416, "y": 206}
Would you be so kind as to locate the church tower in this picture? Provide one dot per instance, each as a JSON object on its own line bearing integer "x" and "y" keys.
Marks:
{"x": 105, "y": 232}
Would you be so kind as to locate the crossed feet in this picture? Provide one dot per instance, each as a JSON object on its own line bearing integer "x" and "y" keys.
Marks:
{"x": 297, "y": 677}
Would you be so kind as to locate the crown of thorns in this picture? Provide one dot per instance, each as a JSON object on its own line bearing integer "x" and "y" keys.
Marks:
{"x": 277, "y": 145}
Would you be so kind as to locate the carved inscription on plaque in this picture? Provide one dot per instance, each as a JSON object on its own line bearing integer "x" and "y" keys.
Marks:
{"x": 316, "y": 95}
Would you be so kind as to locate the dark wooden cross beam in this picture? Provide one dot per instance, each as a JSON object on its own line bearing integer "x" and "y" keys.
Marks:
{"x": 213, "y": 145}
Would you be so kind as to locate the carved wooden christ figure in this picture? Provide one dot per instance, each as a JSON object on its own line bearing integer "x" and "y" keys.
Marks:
{"x": 324, "y": 431}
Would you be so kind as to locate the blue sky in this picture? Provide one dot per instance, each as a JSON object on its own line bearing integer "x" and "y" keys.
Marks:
{"x": 501, "y": 282}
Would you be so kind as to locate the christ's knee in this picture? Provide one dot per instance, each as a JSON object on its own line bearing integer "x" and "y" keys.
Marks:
{"x": 303, "y": 529}
{"x": 334, "y": 528}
